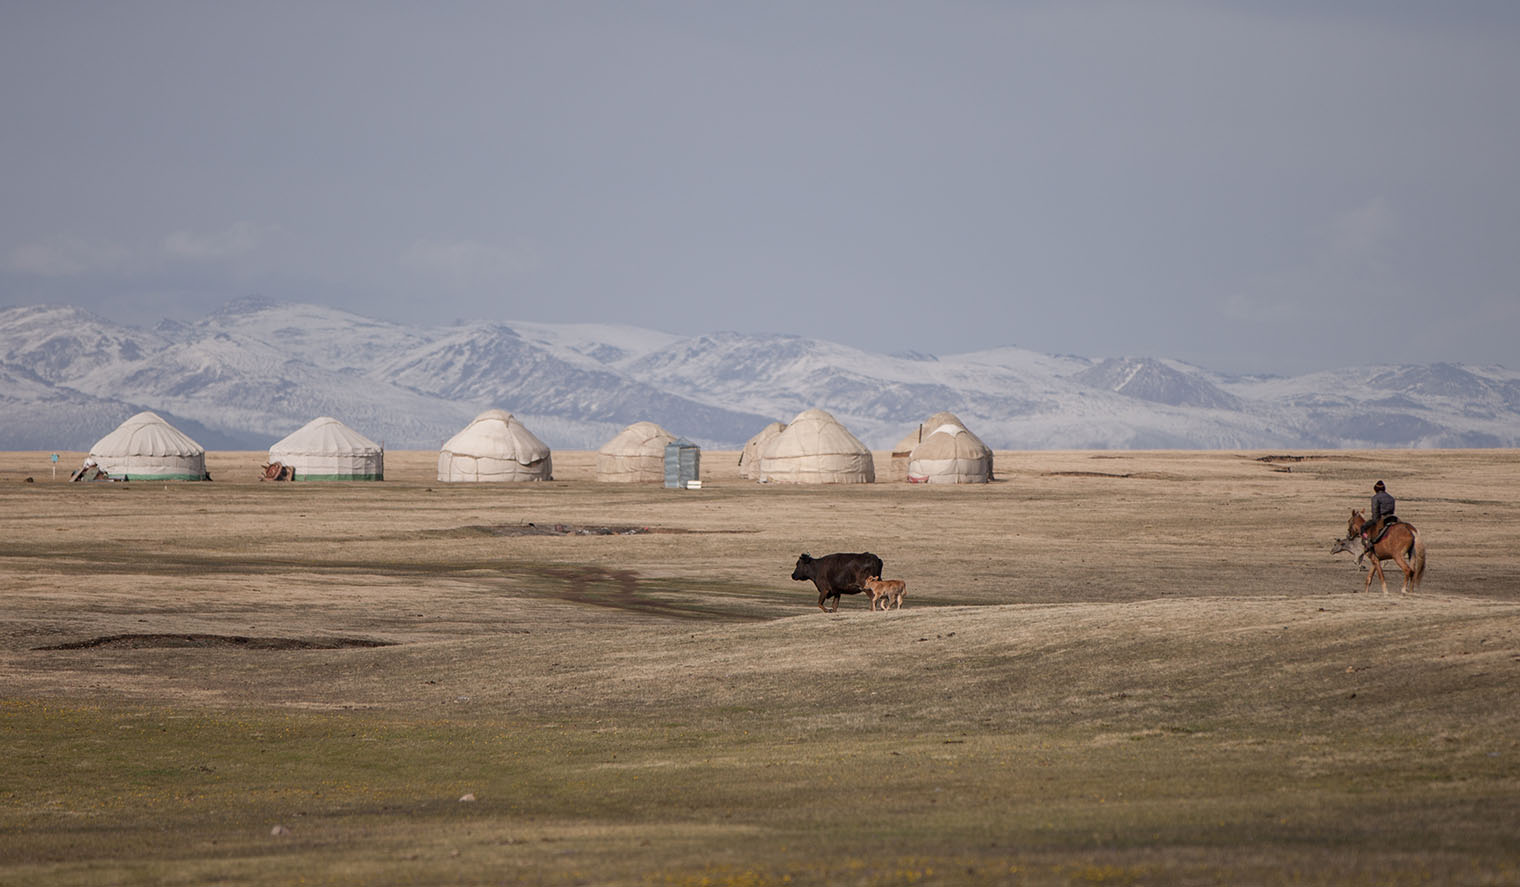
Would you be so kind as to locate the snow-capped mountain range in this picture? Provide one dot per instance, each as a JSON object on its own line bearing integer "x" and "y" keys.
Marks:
{"x": 256, "y": 370}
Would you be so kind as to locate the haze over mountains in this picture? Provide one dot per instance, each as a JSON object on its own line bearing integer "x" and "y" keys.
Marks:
{"x": 252, "y": 372}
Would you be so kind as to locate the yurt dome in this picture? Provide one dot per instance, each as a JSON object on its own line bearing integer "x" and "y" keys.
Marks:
{"x": 636, "y": 455}
{"x": 816, "y": 449}
{"x": 925, "y": 428}
{"x": 898, "y": 470}
{"x": 494, "y": 447}
{"x": 749, "y": 457}
{"x": 950, "y": 455}
{"x": 326, "y": 449}
{"x": 145, "y": 447}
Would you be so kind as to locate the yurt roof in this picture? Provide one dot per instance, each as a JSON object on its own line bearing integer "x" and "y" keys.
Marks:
{"x": 638, "y": 439}
{"x": 924, "y": 429}
{"x": 326, "y": 436}
{"x": 951, "y": 441}
{"x": 766, "y": 433}
{"x": 147, "y": 434}
{"x": 498, "y": 434}
{"x": 755, "y": 445}
{"x": 813, "y": 432}
{"x": 921, "y": 432}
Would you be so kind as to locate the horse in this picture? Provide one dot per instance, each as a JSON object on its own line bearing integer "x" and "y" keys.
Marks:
{"x": 1401, "y": 543}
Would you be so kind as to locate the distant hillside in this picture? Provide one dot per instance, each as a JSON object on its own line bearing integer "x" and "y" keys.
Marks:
{"x": 252, "y": 372}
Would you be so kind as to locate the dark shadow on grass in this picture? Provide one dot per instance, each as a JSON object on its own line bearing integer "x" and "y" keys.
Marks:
{"x": 154, "y": 641}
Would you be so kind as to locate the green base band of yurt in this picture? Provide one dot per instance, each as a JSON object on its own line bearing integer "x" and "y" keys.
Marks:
{"x": 129, "y": 474}
{"x": 301, "y": 475}
{"x": 325, "y": 449}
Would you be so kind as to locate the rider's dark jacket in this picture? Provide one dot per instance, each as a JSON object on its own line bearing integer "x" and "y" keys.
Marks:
{"x": 1382, "y": 506}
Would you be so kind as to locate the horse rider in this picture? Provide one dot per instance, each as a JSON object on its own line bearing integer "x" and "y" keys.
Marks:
{"x": 1379, "y": 515}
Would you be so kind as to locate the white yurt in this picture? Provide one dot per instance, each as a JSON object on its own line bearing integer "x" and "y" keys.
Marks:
{"x": 145, "y": 447}
{"x": 950, "y": 455}
{"x": 326, "y": 449}
{"x": 749, "y": 457}
{"x": 635, "y": 456}
{"x": 816, "y": 449}
{"x": 494, "y": 447}
{"x": 898, "y": 471}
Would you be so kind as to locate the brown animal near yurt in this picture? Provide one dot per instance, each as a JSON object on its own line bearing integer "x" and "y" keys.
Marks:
{"x": 887, "y": 592}
{"x": 1400, "y": 543}
{"x": 837, "y": 574}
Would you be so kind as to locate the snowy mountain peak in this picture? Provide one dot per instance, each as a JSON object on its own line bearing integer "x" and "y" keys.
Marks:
{"x": 1157, "y": 381}
{"x": 257, "y": 369}
{"x": 607, "y": 344}
{"x": 61, "y": 343}
{"x": 1442, "y": 380}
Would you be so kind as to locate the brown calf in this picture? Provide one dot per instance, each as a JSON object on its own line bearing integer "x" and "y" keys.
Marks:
{"x": 888, "y": 591}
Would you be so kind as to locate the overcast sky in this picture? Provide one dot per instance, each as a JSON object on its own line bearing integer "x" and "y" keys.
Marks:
{"x": 1251, "y": 186}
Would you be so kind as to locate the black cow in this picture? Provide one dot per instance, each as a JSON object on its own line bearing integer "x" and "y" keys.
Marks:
{"x": 836, "y": 574}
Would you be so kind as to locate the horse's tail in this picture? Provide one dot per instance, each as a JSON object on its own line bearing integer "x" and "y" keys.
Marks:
{"x": 1419, "y": 558}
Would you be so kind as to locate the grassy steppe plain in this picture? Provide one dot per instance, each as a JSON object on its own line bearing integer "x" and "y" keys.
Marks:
{"x": 1111, "y": 668}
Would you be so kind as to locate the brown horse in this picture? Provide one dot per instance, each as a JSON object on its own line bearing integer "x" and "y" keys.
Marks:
{"x": 1401, "y": 543}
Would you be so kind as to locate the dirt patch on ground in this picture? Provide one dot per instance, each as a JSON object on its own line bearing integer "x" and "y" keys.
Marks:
{"x": 537, "y": 529}
{"x": 1275, "y": 462}
{"x": 533, "y": 528}
{"x": 1310, "y": 457}
{"x": 1132, "y": 475}
{"x": 557, "y": 529}
{"x": 152, "y": 641}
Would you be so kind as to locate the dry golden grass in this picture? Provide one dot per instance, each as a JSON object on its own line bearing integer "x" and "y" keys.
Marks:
{"x": 1111, "y": 668}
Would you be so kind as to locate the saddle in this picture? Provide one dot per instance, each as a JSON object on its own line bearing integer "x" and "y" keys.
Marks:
{"x": 1390, "y": 520}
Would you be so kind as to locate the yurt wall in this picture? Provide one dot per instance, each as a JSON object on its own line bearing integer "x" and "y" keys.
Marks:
{"x": 325, "y": 449}
{"x": 951, "y": 455}
{"x": 494, "y": 447}
{"x": 145, "y": 447}
{"x": 816, "y": 449}
{"x": 635, "y": 455}
{"x": 749, "y": 457}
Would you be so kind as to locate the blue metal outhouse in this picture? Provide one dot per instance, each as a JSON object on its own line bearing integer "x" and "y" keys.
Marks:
{"x": 683, "y": 464}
